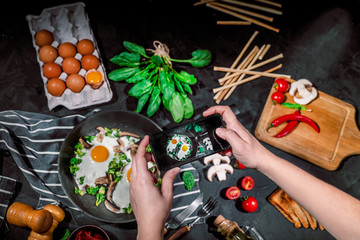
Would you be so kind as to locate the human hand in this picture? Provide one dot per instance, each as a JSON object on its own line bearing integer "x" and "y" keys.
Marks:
{"x": 150, "y": 204}
{"x": 245, "y": 147}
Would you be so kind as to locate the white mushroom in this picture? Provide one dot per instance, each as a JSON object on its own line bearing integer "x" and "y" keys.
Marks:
{"x": 301, "y": 87}
{"x": 100, "y": 136}
{"x": 216, "y": 159}
{"x": 219, "y": 169}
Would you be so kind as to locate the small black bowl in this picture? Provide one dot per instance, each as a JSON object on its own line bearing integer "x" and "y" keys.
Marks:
{"x": 93, "y": 229}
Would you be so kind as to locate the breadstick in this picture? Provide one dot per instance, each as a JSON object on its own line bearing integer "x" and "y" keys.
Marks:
{"x": 240, "y": 10}
{"x": 221, "y": 80}
{"x": 215, "y": 90}
{"x": 242, "y": 17}
{"x": 228, "y": 91}
{"x": 264, "y": 74}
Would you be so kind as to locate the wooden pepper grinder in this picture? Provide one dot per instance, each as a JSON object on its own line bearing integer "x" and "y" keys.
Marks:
{"x": 23, "y": 215}
{"x": 42, "y": 222}
{"x": 58, "y": 216}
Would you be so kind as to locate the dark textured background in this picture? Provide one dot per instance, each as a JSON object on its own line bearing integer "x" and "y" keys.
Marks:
{"x": 320, "y": 43}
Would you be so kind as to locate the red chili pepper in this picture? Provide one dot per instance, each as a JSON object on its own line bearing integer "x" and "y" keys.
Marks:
{"x": 291, "y": 117}
{"x": 86, "y": 235}
{"x": 288, "y": 128}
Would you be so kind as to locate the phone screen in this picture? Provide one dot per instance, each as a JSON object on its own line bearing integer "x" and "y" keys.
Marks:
{"x": 187, "y": 142}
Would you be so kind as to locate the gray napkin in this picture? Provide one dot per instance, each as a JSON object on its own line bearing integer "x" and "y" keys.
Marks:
{"x": 7, "y": 189}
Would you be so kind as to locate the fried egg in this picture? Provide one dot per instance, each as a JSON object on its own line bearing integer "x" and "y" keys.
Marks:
{"x": 184, "y": 151}
{"x": 172, "y": 143}
{"x": 95, "y": 162}
{"x": 179, "y": 147}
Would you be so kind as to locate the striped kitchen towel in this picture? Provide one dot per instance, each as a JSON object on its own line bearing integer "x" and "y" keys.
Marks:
{"x": 7, "y": 189}
{"x": 34, "y": 141}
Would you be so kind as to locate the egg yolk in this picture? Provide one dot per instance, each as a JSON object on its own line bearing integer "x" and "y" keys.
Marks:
{"x": 174, "y": 141}
{"x": 128, "y": 174}
{"x": 99, "y": 154}
{"x": 184, "y": 148}
{"x": 94, "y": 77}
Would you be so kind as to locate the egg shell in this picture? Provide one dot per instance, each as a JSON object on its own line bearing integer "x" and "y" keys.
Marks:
{"x": 44, "y": 37}
{"x": 47, "y": 53}
{"x": 51, "y": 70}
{"x": 56, "y": 87}
{"x": 75, "y": 82}
{"x": 89, "y": 62}
{"x": 71, "y": 65}
{"x": 94, "y": 78}
{"x": 85, "y": 46}
{"x": 67, "y": 49}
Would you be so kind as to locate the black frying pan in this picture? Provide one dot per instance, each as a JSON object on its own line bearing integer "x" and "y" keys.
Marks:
{"x": 124, "y": 120}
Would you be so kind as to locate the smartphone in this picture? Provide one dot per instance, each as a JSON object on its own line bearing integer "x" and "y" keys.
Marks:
{"x": 187, "y": 142}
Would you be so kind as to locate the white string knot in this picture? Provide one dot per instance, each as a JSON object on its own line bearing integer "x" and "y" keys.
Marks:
{"x": 161, "y": 50}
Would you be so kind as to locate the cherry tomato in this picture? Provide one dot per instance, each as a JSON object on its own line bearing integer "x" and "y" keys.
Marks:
{"x": 233, "y": 192}
{"x": 247, "y": 183}
{"x": 281, "y": 85}
{"x": 278, "y": 97}
{"x": 249, "y": 204}
{"x": 239, "y": 165}
{"x": 228, "y": 152}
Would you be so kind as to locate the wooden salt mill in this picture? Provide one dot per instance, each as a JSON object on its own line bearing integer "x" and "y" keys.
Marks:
{"x": 42, "y": 222}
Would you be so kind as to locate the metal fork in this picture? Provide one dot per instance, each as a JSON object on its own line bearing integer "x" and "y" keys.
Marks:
{"x": 205, "y": 211}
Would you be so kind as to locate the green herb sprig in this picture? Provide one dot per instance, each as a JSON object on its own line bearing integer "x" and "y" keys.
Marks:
{"x": 156, "y": 81}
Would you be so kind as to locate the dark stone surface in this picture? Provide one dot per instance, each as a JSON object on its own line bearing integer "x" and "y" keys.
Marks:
{"x": 320, "y": 43}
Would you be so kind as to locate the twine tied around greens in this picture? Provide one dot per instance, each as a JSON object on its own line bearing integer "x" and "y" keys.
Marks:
{"x": 161, "y": 50}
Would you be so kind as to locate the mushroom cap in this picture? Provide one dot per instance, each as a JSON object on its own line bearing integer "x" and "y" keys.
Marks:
{"x": 216, "y": 159}
{"x": 306, "y": 95}
{"x": 220, "y": 171}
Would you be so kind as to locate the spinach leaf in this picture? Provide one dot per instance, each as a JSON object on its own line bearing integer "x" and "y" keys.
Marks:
{"x": 176, "y": 107}
{"x": 142, "y": 101}
{"x": 138, "y": 77}
{"x": 186, "y": 77}
{"x": 166, "y": 85}
{"x": 166, "y": 103}
{"x": 187, "y": 87}
{"x": 200, "y": 58}
{"x": 140, "y": 88}
{"x": 134, "y": 48}
{"x": 188, "y": 179}
{"x": 126, "y": 59}
{"x": 157, "y": 60}
{"x": 122, "y": 73}
{"x": 155, "y": 101}
{"x": 188, "y": 107}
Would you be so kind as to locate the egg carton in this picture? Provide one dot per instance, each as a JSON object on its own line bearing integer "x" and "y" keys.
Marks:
{"x": 69, "y": 23}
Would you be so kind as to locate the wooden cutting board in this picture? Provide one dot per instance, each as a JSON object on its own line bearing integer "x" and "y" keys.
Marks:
{"x": 339, "y": 135}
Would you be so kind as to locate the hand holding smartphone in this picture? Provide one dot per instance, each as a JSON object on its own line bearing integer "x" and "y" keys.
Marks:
{"x": 187, "y": 143}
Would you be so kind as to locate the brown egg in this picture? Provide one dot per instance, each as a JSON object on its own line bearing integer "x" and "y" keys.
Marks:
{"x": 51, "y": 70}
{"x": 85, "y": 46}
{"x": 71, "y": 65}
{"x": 75, "y": 82}
{"x": 55, "y": 87}
{"x": 44, "y": 37}
{"x": 47, "y": 53}
{"x": 67, "y": 49}
{"x": 89, "y": 62}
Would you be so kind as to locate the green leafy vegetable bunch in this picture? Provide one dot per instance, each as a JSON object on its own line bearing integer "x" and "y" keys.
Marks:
{"x": 155, "y": 80}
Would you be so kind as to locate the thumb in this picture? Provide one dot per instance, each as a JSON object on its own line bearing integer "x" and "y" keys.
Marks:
{"x": 229, "y": 135}
{"x": 168, "y": 181}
